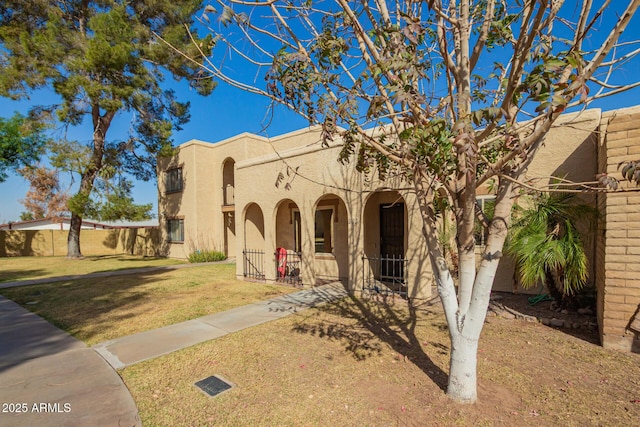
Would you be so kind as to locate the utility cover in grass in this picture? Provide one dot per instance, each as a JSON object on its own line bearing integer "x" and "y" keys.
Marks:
{"x": 213, "y": 385}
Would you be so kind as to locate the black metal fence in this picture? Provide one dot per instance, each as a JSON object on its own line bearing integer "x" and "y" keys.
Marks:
{"x": 385, "y": 275}
{"x": 288, "y": 265}
{"x": 253, "y": 264}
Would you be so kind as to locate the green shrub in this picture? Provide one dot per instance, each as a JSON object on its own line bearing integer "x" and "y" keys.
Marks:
{"x": 206, "y": 256}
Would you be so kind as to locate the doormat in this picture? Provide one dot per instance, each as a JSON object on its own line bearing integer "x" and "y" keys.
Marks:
{"x": 213, "y": 385}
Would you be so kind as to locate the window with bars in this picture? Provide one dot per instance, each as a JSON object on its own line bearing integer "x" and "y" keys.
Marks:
{"x": 173, "y": 180}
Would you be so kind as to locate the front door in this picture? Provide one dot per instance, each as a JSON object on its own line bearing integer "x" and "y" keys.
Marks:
{"x": 392, "y": 241}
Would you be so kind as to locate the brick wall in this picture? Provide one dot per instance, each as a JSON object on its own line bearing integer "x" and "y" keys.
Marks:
{"x": 618, "y": 240}
{"x": 136, "y": 241}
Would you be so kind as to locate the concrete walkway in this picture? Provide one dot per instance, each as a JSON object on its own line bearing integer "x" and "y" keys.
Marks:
{"x": 48, "y": 378}
{"x": 135, "y": 348}
{"x": 54, "y": 379}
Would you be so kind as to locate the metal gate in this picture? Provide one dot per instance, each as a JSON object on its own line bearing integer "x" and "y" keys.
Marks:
{"x": 288, "y": 266}
{"x": 385, "y": 275}
{"x": 253, "y": 264}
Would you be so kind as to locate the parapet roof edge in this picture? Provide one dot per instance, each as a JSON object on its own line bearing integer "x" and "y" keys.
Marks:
{"x": 578, "y": 116}
{"x": 240, "y": 136}
{"x": 286, "y": 154}
{"x": 624, "y": 110}
{"x": 243, "y": 135}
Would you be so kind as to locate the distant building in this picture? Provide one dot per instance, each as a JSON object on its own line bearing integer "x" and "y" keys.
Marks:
{"x": 63, "y": 224}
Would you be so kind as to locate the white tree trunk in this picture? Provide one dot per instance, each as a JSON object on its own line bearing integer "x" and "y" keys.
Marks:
{"x": 466, "y": 322}
{"x": 462, "y": 368}
{"x": 464, "y": 339}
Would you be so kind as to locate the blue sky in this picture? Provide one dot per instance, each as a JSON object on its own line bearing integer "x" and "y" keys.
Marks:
{"x": 225, "y": 113}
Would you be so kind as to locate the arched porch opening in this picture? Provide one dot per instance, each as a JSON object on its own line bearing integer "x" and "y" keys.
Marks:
{"x": 228, "y": 206}
{"x": 331, "y": 246}
{"x": 228, "y": 182}
{"x": 385, "y": 243}
{"x": 254, "y": 243}
{"x": 288, "y": 240}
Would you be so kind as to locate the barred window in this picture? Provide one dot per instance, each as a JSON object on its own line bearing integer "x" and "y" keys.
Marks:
{"x": 173, "y": 180}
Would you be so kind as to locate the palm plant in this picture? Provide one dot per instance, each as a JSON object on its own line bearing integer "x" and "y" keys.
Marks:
{"x": 547, "y": 246}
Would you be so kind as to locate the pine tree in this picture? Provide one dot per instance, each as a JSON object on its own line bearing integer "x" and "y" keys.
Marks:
{"x": 103, "y": 58}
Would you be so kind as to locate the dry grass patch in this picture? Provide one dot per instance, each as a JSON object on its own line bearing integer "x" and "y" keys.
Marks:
{"x": 26, "y": 268}
{"x": 96, "y": 310}
{"x": 356, "y": 363}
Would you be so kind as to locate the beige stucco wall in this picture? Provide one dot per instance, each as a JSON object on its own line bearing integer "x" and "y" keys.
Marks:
{"x": 134, "y": 241}
{"x": 302, "y": 178}
{"x": 274, "y": 177}
{"x": 205, "y": 179}
{"x": 257, "y": 181}
{"x": 264, "y": 174}
{"x": 569, "y": 150}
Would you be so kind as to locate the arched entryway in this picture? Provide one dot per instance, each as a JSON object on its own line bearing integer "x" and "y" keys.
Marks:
{"x": 288, "y": 239}
{"x": 254, "y": 243}
{"x": 331, "y": 248}
{"x": 228, "y": 206}
{"x": 385, "y": 243}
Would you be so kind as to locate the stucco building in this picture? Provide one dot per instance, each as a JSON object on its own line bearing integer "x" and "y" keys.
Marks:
{"x": 287, "y": 210}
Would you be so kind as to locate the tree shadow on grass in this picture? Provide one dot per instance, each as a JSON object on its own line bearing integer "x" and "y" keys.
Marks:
{"x": 121, "y": 257}
{"x": 372, "y": 322}
{"x": 20, "y": 274}
{"x": 85, "y": 308}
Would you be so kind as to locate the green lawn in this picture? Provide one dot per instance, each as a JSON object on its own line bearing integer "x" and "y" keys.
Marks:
{"x": 25, "y": 268}
{"x": 96, "y": 310}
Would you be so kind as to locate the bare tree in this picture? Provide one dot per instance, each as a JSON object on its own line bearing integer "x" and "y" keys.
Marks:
{"x": 45, "y": 198}
{"x": 464, "y": 91}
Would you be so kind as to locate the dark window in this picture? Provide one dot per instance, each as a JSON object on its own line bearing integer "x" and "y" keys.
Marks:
{"x": 392, "y": 230}
{"x": 173, "y": 180}
{"x": 176, "y": 230}
{"x": 323, "y": 230}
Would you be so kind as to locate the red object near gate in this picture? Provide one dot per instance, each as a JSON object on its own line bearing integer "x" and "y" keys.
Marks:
{"x": 281, "y": 257}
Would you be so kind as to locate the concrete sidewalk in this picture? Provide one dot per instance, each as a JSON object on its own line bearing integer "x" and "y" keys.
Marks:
{"x": 48, "y": 378}
{"x": 135, "y": 348}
